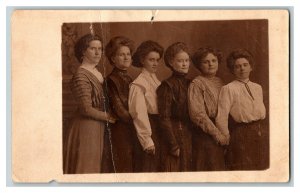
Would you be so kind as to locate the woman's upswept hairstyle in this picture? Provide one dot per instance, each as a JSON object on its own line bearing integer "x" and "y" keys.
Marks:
{"x": 115, "y": 43}
{"x": 144, "y": 49}
{"x": 201, "y": 53}
{"x": 174, "y": 49}
{"x": 83, "y": 43}
{"x": 236, "y": 54}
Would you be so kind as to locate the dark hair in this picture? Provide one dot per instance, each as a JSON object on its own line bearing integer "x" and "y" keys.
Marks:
{"x": 201, "y": 53}
{"x": 237, "y": 54}
{"x": 115, "y": 43}
{"x": 144, "y": 49}
{"x": 174, "y": 49}
{"x": 83, "y": 43}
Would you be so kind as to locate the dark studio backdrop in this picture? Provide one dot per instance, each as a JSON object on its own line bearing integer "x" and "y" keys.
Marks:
{"x": 223, "y": 35}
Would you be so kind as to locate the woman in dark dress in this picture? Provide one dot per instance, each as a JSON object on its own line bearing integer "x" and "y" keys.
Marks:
{"x": 84, "y": 142}
{"x": 176, "y": 147}
{"x": 123, "y": 136}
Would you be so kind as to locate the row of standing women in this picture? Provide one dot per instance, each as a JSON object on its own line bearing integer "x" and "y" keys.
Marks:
{"x": 145, "y": 125}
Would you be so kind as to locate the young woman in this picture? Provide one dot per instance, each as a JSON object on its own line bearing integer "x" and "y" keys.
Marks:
{"x": 176, "y": 152}
{"x": 84, "y": 144}
{"x": 242, "y": 99}
{"x": 118, "y": 52}
{"x": 203, "y": 94}
{"x": 143, "y": 106}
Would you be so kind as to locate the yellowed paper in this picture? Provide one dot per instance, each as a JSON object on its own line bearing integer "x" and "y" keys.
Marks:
{"x": 37, "y": 94}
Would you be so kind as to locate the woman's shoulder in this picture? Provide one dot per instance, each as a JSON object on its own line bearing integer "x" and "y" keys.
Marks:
{"x": 231, "y": 86}
{"x": 141, "y": 81}
{"x": 81, "y": 74}
{"x": 255, "y": 84}
{"x": 166, "y": 85}
{"x": 80, "y": 81}
{"x": 169, "y": 83}
{"x": 113, "y": 78}
{"x": 80, "y": 71}
{"x": 199, "y": 80}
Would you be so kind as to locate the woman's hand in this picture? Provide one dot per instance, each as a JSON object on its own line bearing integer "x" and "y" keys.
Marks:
{"x": 150, "y": 150}
{"x": 110, "y": 118}
{"x": 227, "y": 139}
{"x": 222, "y": 139}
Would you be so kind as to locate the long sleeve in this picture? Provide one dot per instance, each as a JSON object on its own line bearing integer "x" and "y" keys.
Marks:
{"x": 197, "y": 110}
{"x": 82, "y": 91}
{"x": 165, "y": 98}
{"x": 138, "y": 111}
{"x": 116, "y": 103}
{"x": 262, "y": 107}
{"x": 224, "y": 106}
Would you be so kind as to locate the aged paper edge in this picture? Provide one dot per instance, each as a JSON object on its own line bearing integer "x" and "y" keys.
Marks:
{"x": 36, "y": 91}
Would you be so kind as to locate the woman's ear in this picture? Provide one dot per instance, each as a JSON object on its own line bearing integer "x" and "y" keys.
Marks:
{"x": 171, "y": 62}
{"x": 142, "y": 61}
{"x": 83, "y": 55}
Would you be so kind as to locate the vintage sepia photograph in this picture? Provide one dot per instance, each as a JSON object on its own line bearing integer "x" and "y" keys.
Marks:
{"x": 165, "y": 96}
{"x": 150, "y": 96}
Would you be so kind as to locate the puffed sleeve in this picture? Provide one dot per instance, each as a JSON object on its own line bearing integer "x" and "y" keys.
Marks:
{"x": 164, "y": 103}
{"x": 138, "y": 111}
{"x": 224, "y": 106}
{"x": 82, "y": 91}
{"x": 197, "y": 110}
{"x": 116, "y": 103}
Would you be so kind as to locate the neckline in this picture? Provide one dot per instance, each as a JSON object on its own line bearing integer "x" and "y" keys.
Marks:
{"x": 243, "y": 81}
{"x": 209, "y": 77}
{"x": 93, "y": 75}
{"x": 147, "y": 73}
{"x": 88, "y": 65}
{"x": 120, "y": 70}
{"x": 179, "y": 74}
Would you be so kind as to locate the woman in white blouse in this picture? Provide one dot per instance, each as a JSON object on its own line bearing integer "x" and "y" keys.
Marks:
{"x": 142, "y": 104}
{"x": 243, "y": 101}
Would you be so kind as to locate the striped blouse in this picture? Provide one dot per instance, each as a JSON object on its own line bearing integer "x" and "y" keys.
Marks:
{"x": 88, "y": 93}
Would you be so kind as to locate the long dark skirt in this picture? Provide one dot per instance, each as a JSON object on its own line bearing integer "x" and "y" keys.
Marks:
{"x": 249, "y": 146}
{"x": 182, "y": 163}
{"x": 207, "y": 154}
{"x": 146, "y": 162}
{"x": 84, "y": 146}
{"x": 119, "y": 152}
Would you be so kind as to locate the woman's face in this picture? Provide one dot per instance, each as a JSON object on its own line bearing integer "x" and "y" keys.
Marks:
{"x": 181, "y": 62}
{"x": 151, "y": 61}
{"x": 209, "y": 65}
{"x": 93, "y": 53}
{"x": 122, "y": 59}
{"x": 242, "y": 68}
